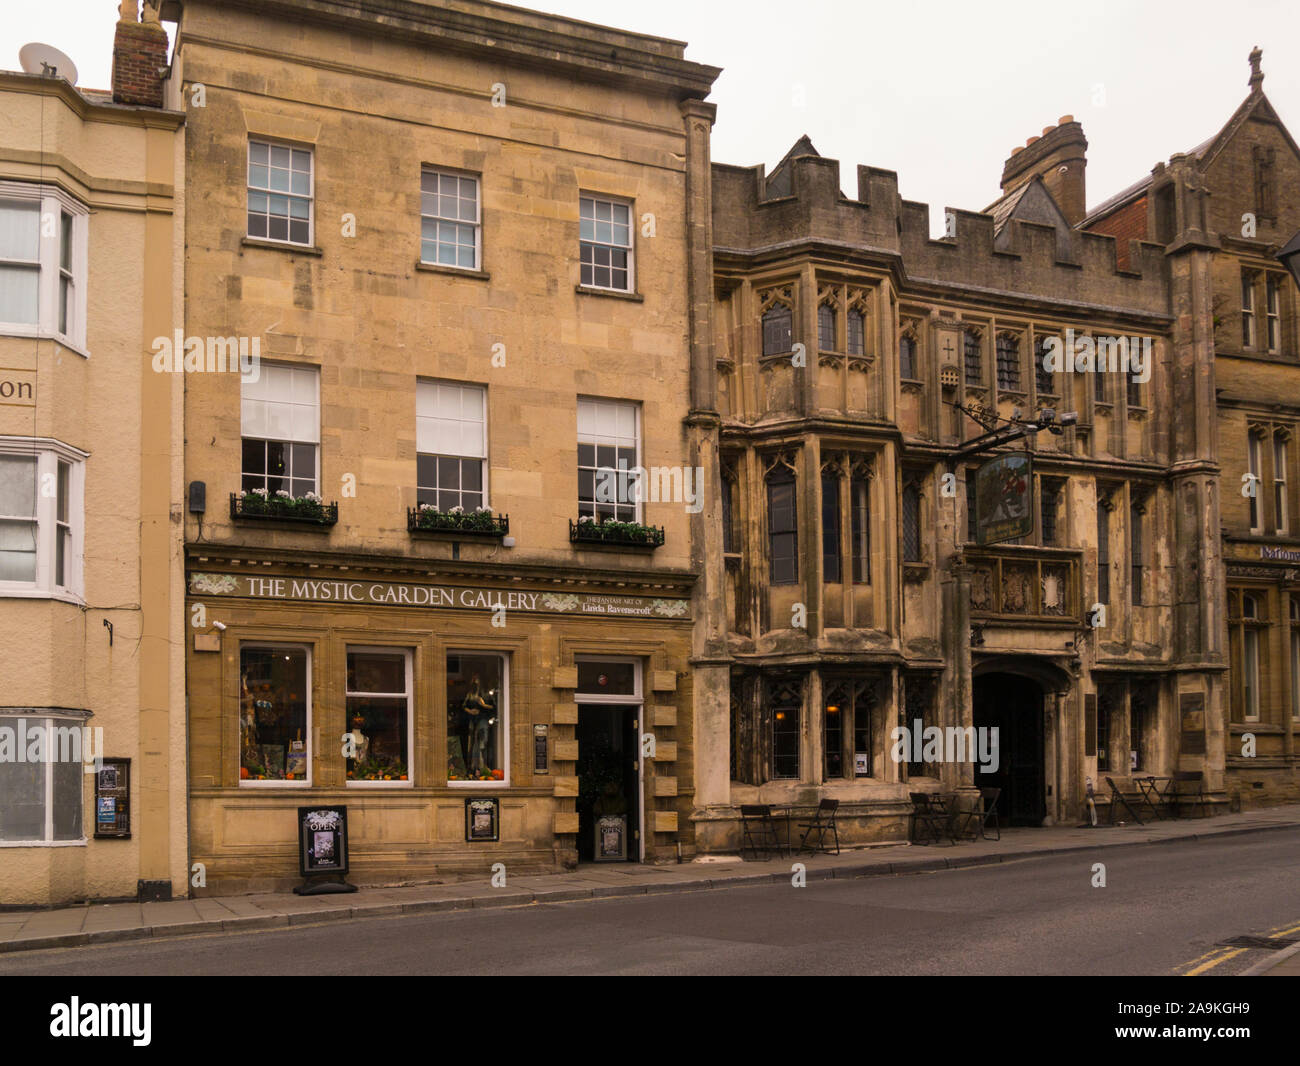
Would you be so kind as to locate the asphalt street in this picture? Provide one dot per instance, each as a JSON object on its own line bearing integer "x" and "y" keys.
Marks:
{"x": 1165, "y": 909}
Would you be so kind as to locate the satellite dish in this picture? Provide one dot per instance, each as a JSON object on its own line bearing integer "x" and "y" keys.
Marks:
{"x": 37, "y": 58}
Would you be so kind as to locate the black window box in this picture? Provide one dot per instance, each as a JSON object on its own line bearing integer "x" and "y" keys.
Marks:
{"x": 615, "y": 534}
{"x": 276, "y": 510}
{"x": 463, "y": 525}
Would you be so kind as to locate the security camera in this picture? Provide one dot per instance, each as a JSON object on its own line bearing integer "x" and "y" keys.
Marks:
{"x": 1070, "y": 418}
{"x": 219, "y": 625}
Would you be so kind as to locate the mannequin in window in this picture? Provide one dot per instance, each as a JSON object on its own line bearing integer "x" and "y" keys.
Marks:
{"x": 480, "y": 711}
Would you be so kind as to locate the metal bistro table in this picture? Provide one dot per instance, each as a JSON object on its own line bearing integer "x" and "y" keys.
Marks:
{"x": 785, "y": 812}
{"x": 1156, "y": 794}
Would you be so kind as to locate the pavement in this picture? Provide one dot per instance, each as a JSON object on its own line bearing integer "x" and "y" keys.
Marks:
{"x": 29, "y": 930}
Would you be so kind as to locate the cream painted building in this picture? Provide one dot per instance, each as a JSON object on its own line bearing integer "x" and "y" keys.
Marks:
{"x": 90, "y": 551}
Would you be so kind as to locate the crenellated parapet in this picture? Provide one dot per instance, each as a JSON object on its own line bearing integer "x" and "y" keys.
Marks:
{"x": 759, "y": 215}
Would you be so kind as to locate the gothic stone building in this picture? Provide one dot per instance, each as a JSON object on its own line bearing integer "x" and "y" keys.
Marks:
{"x": 850, "y": 351}
{"x": 1223, "y": 211}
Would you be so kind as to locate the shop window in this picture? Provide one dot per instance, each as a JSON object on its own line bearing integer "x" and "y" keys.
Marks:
{"x": 477, "y": 707}
{"x": 280, "y": 419}
{"x": 826, "y": 328}
{"x": 41, "y": 532}
{"x": 1103, "y": 731}
{"x": 831, "y": 568}
{"x": 919, "y": 694}
{"x": 848, "y": 729}
{"x": 451, "y": 445}
{"x": 378, "y": 709}
{"x": 857, "y": 333}
{"x": 450, "y": 229}
{"x": 785, "y": 704}
{"x": 41, "y": 798}
{"x": 1141, "y": 708}
{"x": 42, "y": 268}
{"x": 279, "y": 193}
{"x": 782, "y": 526}
{"x": 605, "y": 245}
{"x": 274, "y": 714}
{"x": 834, "y": 710}
{"x": 778, "y": 330}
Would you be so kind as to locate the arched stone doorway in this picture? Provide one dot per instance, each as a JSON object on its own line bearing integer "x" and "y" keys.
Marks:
{"x": 1013, "y": 704}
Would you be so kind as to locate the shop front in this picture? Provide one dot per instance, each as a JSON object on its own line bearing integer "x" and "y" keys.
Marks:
{"x": 463, "y": 719}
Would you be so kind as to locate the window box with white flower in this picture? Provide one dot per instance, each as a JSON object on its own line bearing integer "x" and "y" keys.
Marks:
{"x": 458, "y": 521}
{"x": 283, "y": 507}
{"x": 588, "y": 531}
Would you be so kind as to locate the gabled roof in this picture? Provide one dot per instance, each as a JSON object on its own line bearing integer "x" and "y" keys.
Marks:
{"x": 1256, "y": 104}
{"x": 1030, "y": 201}
{"x": 779, "y": 183}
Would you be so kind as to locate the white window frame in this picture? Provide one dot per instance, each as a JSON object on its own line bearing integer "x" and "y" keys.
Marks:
{"x": 243, "y": 436}
{"x": 503, "y": 710}
{"x": 1254, "y": 458}
{"x": 425, "y": 384}
{"x": 270, "y": 645}
{"x": 52, "y": 204}
{"x": 630, "y": 247}
{"x": 48, "y": 454}
{"x": 43, "y": 719}
{"x": 1281, "y": 522}
{"x": 476, "y": 224}
{"x": 642, "y": 488}
{"x": 1272, "y": 313}
{"x": 310, "y": 197}
{"x": 1250, "y": 334}
{"x": 408, "y": 695}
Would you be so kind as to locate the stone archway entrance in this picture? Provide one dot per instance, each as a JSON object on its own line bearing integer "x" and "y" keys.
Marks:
{"x": 1013, "y": 705}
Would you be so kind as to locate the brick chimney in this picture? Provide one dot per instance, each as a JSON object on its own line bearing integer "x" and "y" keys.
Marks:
{"x": 139, "y": 56}
{"x": 1060, "y": 158}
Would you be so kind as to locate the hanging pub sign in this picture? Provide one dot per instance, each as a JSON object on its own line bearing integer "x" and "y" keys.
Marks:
{"x": 323, "y": 850}
{"x": 482, "y": 819}
{"x": 1004, "y": 499}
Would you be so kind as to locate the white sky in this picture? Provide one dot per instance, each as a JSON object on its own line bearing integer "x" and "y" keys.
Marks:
{"x": 938, "y": 90}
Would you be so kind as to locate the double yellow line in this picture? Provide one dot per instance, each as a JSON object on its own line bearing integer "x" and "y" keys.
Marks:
{"x": 1219, "y": 956}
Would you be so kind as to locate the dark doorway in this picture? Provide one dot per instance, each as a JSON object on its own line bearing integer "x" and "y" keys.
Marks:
{"x": 1014, "y": 706}
{"x": 608, "y": 782}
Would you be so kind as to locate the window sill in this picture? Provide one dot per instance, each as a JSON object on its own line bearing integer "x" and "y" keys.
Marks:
{"x": 43, "y": 843}
{"x": 32, "y": 333}
{"x": 478, "y": 784}
{"x": 459, "y": 272}
{"x": 617, "y": 294}
{"x": 283, "y": 246}
{"x": 40, "y": 594}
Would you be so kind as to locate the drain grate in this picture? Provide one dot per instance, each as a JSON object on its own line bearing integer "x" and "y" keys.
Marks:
{"x": 1267, "y": 943}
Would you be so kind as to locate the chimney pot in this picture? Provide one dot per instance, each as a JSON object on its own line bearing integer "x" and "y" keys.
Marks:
{"x": 1064, "y": 119}
{"x": 1047, "y": 130}
{"x": 1031, "y": 140}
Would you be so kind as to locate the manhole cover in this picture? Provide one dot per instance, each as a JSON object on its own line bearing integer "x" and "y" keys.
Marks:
{"x": 1267, "y": 943}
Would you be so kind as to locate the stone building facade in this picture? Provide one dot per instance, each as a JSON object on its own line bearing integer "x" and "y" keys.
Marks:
{"x": 92, "y": 726}
{"x": 1224, "y": 210}
{"x": 851, "y": 352}
{"x": 461, "y": 238}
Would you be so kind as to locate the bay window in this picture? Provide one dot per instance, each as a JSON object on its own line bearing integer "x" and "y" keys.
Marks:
{"x": 477, "y": 710}
{"x": 42, "y": 485}
{"x": 41, "y": 797}
{"x": 43, "y": 251}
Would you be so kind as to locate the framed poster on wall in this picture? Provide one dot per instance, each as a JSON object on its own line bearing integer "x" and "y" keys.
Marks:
{"x": 113, "y": 800}
{"x": 482, "y": 820}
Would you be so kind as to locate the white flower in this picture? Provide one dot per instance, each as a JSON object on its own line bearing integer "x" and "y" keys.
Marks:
{"x": 313, "y": 498}
{"x": 425, "y": 508}
{"x": 457, "y": 510}
{"x": 261, "y": 492}
{"x": 481, "y": 510}
{"x": 281, "y": 494}
{"x": 585, "y": 519}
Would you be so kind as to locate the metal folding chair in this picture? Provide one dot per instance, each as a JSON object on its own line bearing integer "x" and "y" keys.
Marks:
{"x": 931, "y": 817}
{"x": 823, "y": 820}
{"x": 758, "y": 831}
{"x": 1188, "y": 789}
{"x": 1118, "y": 798}
{"x": 977, "y": 821}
